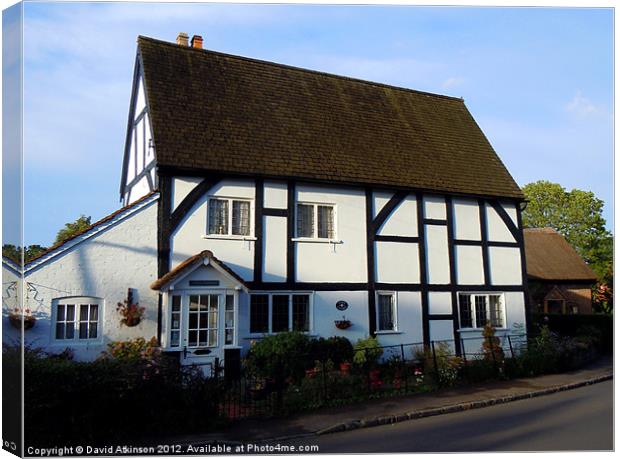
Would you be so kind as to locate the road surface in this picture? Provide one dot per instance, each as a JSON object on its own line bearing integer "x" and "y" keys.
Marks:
{"x": 579, "y": 419}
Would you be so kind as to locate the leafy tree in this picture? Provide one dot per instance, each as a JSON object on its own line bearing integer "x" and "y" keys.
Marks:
{"x": 575, "y": 214}
{"x": 30, "y": 252}
{"x": 73, "y": 228}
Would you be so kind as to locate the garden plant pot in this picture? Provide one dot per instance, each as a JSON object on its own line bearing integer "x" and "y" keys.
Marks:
{"x": 16, "y": 321}
{"x": 345, "y": 368}
{"x": 342, "y": 324}
{"x": 131, "y": 322}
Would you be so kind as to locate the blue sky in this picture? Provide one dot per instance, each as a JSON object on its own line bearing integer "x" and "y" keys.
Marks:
{"x": 539, "y": 81}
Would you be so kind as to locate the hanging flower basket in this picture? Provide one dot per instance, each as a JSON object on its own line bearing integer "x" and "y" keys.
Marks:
{"x": 15, "y": 319}
{"x": 131, "y": 313}
{"x": 343, "y": 324}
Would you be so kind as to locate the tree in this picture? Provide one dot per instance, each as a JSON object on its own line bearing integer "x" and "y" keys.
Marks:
{"x": 30, "y": 252}
{"x": 575, "y": 214}
{"x": 73, "y": 228}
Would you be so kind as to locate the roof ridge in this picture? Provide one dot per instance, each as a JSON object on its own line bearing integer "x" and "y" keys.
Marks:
{"x": 301, "y": 69}
{"x": 92, "y": 226}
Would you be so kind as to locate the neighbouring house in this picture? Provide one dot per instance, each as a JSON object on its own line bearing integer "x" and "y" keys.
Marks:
{"x": 260, "y": 198}
{"x": 560, "y": 281}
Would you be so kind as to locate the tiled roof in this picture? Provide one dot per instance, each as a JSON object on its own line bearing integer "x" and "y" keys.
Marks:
{"x": 217, "y": 112}
{"x": 189, "y": 264}
{"x": 550, "y": 257}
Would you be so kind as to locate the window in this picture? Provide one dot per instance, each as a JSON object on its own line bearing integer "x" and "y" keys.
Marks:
{"x": 221, "y": 221}
{"x": 386, "y": 311}
{"x": 555, "y": 306}
{"x": 202, "y": 326}
{"x": 278, "y": 312}
{"x": 478, "y": 309}
{"x": 316, "y": 221}
{"x": 229, "y": 320}
{"x": 175, "y": 321}
{"x": 77, "y": 319}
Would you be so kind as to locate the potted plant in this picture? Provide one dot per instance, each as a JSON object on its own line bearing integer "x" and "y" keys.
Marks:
{"x": 131, "y": 313}
{"x": 16, "y": 317}
{"x": 342, "y": 324}
{"x": 345, "y": 368}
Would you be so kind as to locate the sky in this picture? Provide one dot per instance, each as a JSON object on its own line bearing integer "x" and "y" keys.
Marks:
{"x": 539, "y": 82}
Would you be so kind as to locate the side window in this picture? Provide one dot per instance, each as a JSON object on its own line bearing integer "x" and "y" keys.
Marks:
{"x": 77, "y": 319}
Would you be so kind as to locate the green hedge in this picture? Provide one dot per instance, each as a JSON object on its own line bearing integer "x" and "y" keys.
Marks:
{"x": 111, "y": 400}
{"x": 599, "y": 326}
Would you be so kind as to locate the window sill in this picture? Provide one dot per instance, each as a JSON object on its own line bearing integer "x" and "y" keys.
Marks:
{"x": 480, "y": 330}
{"x": 317, "y": 240}
{"x": 388, "y": 332}
{"x": 68, "y": 342}
{"x": 254, "y": 336}
{"x": 228, "y": 237}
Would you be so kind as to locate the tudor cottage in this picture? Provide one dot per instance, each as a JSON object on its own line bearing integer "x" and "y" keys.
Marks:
{"x": 260, "y": 198}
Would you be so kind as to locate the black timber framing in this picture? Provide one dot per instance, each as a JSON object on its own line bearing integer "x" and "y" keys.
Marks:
{"x": 370, "y": 256}
{"x": 181, "y": 211}
{"x": 423, "y": 274}
{"x": 435, "y": 221}
{"x": 486, "y": 243}
{"x": 164, "y": 225}
{"x": 484, "y": 235}
{"x": 290, "y": 233}
{"x": 453, "y": 275}
{"x": 146, "y": 172}
{"x": 411, "y": 239}
{"x": 510, "y": 224}
{"x": 160, "y": 308}
{"x": 270, "y": 212}
{"x": 259, "y": 198}
{"x": 384, "y": 213}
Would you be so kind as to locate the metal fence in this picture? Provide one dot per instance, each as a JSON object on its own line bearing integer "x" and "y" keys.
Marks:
{"x": 401, "y": 369}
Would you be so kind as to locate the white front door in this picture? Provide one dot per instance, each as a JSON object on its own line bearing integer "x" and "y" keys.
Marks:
{"x": 208, "y": 319}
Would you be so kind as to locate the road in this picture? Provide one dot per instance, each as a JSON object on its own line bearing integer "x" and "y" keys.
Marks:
{"x": 579, "y": 419}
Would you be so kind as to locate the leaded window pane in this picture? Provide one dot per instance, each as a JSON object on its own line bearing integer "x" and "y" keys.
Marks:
{"x": 241, "y": 218}
{"x": 481, "y": 310}
{"x": 301, "y": 313}
{"x": 465, "y": 311}
{"x": 326, "y": 222}
{"x": 218, "y": 216}
{"x": 279, "y": 313}
{"x": 386, "y": 312}
{"x": 259, "y": 313}
{"x": 495, "y": 309}
{"x": 305, "y": 220}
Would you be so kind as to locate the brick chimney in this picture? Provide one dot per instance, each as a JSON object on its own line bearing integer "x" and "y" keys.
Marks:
{"x": 182, "y": 39}
{"x": 197, "y": 41}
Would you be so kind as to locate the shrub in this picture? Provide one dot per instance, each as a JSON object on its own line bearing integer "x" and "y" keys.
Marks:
{"x": 574, "y": 325}
{"x": 282, "y": 356}
{"x": 491, "y": 348}
{"x": 367, "y": 352}
{"x": 337, "y": 349}
{"x": 443, "y": 363}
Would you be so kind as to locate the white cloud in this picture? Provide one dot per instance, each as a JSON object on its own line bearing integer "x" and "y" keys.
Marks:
{"x": 581, "y": 106}
{"x": 452, "y": 82}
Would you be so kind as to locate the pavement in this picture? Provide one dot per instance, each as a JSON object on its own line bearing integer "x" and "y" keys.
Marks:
{"x": 398, "y": 409}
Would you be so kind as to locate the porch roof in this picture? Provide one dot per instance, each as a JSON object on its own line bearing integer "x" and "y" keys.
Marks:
{"x": 192, "y": 263}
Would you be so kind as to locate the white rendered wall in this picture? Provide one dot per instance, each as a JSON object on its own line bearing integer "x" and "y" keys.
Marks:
{"x": 189, "y": 238}
{"x": 469, "y": 266}
{"x": 181, "y": 187}
{"x": 342, "y": 262}
{"x": 276, "y": 195}
{"x": 437, "y": 254}
{"x": 397, "y": 262}
{"x": 274, "y": 248}
{"x": 403, "y": 221}
{"x": 435, "y": 207}
{"x": 466, "y": 219}
{"x": 104, "y": 266}
{"x": 498, "y": 231}
{"x": 505, "y": 266}
{"x": 442, "y": 330}
{"x": 439, "y": 302}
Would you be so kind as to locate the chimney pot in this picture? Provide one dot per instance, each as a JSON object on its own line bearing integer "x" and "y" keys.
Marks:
{"x": 182, "y": 39}
{"x": 197, "y": 41}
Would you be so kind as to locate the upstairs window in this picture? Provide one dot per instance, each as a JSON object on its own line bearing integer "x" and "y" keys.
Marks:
{"x": 229, "y": 217}
{"x": 476, "y": 310}
{"x": 316, "y": 221}
{"x": 77, "y": 319}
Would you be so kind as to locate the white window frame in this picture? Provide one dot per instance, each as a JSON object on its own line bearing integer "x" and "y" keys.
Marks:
{"x": 290, "y": 312}
{"x": 229, "y": 234}
{"x": 394, "y": 311}
{"x": 315, "y": 215}
{"x": 77, "y": 301}
{"x": 472, "y": 295}
{"x": 184, "y": 318}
